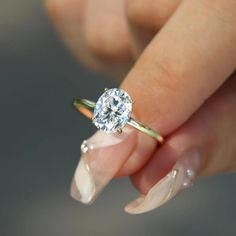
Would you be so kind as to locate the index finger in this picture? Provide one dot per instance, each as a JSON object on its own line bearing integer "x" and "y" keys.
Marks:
{"x": 184, "y": 64}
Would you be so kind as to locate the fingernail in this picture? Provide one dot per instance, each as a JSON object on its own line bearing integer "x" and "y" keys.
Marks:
{"x": 102, "y": 156}
{"x": 179, "y": 178}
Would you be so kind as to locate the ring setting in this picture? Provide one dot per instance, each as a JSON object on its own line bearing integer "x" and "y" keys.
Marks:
{"x": 112, "y": 112}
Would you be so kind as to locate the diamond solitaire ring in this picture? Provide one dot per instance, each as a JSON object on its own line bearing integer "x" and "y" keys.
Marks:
{"x": 112, "y": 112}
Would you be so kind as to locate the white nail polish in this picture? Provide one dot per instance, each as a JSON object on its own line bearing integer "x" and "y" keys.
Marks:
{"x": 102, "y": 156}
{"x": 179, "y": 178}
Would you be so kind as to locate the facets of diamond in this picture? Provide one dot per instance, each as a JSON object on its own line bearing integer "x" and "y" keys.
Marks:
{"x": 113, "y": 110}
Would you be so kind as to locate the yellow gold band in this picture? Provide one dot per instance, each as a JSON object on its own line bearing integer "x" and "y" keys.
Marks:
{"x": 86, "y": 107}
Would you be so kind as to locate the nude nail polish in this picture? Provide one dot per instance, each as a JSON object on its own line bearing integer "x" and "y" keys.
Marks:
{"x": 180, "y": 177}
{"x": 102, "y": 156}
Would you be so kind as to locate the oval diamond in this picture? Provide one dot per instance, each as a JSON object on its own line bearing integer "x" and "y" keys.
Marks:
{"x": 113, "y": 110}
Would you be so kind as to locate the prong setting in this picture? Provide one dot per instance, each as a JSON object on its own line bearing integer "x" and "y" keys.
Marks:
{"x": 119, "y": 131}
{"x": 112, "y": 110}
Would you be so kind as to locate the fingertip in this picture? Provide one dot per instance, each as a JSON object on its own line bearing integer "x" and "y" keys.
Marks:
{"x": 139, "y": 157}
{"x": 159, "y": 164}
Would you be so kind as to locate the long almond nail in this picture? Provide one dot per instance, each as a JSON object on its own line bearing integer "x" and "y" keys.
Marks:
{"x": 101, "y": 158}
{"x": 179, "y": 178}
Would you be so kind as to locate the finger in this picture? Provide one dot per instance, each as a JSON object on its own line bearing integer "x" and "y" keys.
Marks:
{"x": 145, "y": 19}
{"x": 107, "y": 36}
{"x": 72, "y": 17}
{"x": 203, "y": 145}
{"x": 171, "y": 80}
{"x": 96, "y": 166}
{"x": 68, "y": 17}
{"x": 104, "y": 25}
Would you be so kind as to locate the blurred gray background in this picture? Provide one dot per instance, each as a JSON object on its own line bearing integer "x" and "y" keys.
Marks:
{"x": 40, "y": 135}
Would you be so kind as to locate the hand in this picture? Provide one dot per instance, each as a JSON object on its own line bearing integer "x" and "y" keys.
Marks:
{"x": 182, "y": 84}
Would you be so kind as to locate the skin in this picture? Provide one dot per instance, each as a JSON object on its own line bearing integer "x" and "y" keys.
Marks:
{"x": 180, "y": 54}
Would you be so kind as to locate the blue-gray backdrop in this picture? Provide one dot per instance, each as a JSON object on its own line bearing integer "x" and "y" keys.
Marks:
{"x": 40, "y": 135}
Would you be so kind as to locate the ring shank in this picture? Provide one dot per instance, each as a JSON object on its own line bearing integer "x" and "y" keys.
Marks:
{"x": 86, "y": 107}
{"x": 143, "y": 128}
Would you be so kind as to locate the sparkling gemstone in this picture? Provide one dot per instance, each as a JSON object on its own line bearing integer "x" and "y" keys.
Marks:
{"x": 113, "y": 110}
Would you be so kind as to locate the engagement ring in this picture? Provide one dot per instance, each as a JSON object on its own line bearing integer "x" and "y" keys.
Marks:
{"x": 112, "y": 112}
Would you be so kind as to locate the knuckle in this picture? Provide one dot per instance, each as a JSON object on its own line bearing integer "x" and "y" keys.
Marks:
{"x": 109, "y": 44}
{"x": 138, "y": 12}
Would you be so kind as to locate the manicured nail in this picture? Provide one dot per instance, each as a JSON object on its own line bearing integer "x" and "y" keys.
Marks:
{"x": 101, "y": 158}
{"x": 180, "y": 177}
